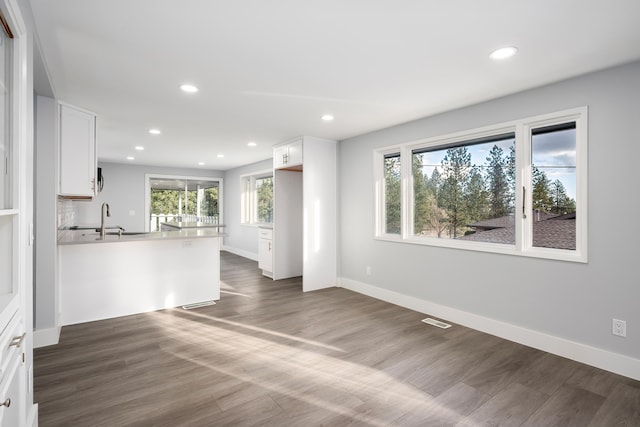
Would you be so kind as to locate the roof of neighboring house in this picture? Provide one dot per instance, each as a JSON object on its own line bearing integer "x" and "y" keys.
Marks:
{"x": 557, "y": 232}
{"x": 509, "y": 220}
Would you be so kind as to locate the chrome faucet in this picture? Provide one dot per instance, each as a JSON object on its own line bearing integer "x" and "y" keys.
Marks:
{"x": 102, "y": 229}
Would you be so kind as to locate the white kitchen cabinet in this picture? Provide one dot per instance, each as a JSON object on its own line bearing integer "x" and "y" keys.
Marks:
{"x": 12, "y": 395}
{"x": 12, "y": 371}
{"x": 288, "y": 155}
{"x": 305, "y": 215}
{"x": 265, "y": 251}
{"x": 77, "y": 142}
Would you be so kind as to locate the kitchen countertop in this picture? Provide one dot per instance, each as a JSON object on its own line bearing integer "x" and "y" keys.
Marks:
{"x": 75, "y": 237}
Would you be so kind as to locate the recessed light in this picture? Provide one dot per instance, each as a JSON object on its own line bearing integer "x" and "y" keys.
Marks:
{"x": 327, "y": 117}
{"x": 252, "y": 144}
{"x": 130, "y": 158}
{"x": 503, "y": 52}
{"x": 154, "y": 131}
{"x": 139, "y": 147}
{"x": 200, "y": 163}
{"x": 189, "y": 88}
{"x": 220, "y": 156}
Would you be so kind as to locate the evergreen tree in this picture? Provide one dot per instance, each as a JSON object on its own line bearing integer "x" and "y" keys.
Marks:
{"x": 477, "y": 199}
{"x": 498, "y": 183}
{"x": 435, "y": 182}
{"x": 421, "y": 193}
{"x": 456, "y": 166}
{"x": 392, "y": 194}
{"x": 511, "y": 176}
{"x": 264, "y": 190}
{"x": 541, "y": 190}
{"x": 561, "y": 202}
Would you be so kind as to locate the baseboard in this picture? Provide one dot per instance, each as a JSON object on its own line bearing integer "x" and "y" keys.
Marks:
{"x": 32, "y": 418}
{"x": 46, "y": 337}
{"x": 240, "y": 252}
{"x": 603, "y": 359}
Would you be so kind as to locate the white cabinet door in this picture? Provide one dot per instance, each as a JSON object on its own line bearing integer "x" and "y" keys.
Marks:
{"x": 265, "y": 250}
{"x": 77, "y": 151}
{"x": 265, "y": 262}
{"x": 287, "y": 155}
{"x": 279, "y": 157}
{"x": 12, "y": 395}
{"x": 294, "y": 154}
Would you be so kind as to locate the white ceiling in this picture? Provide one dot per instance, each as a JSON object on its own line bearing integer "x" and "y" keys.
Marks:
{"x": 268, "y": 70}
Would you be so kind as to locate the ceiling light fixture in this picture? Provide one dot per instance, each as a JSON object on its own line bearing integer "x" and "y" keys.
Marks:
{"x": 200, "y": 163}
{"x": 139, "y": 147}
{"x": 503, "y": 52}
{"x": 154, "y": 131}
{"x": 130, "y": 158}
{"x": 189, "y": 88}
{"x": 327, "y": 117}
{"x": 220, "y": 156}
{"x": 252, "y": 144}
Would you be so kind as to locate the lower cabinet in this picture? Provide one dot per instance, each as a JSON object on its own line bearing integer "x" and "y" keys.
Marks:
{"x": 265, "y": 251}
{"x": 12, "y": 374}
{"x": 11, "y": 395}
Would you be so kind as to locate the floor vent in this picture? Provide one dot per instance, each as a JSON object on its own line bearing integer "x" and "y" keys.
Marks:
{"x": 437, "y": 323}
{"x": 198, "y": 305}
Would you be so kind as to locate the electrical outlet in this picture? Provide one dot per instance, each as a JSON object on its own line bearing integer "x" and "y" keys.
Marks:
{"x": 619, "y": 327}
{"x": 368, "y": 270}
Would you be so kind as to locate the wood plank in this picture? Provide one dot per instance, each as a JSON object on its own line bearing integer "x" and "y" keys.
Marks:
{"x": 268, "y": 354}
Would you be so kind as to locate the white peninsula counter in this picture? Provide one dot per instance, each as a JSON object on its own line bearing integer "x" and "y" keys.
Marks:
{"x": 119, "y": 275}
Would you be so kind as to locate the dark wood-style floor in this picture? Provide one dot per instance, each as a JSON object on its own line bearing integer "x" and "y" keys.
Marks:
{"x": 268, "y": 354}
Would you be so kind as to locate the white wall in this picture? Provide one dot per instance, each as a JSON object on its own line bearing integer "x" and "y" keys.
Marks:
{"x": 45, "y": 295}
{"x": 124, "y": 192}
{"x": 560, "y": 300}
{"x": 241, "y": 239}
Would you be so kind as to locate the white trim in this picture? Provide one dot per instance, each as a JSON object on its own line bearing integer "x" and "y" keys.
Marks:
{"x": 32, "y": 417}
{"x": 46, "y": 337}
{"x": 240, "y": 252}
{"x": 600, "y": 358}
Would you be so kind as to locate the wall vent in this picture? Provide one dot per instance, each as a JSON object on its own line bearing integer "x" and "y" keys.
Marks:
{"x": 198, "y": 305}
{"x": 436, "y": 323}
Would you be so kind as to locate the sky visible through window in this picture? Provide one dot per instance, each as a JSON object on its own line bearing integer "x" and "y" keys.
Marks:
{"x": 554, "y": 153}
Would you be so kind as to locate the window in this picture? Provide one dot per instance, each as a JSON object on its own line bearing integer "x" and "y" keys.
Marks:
{"x": 257, "y": 198}
{"x": 517, "y": 188}
{"x": 392, "y": 208}
{"x": 182, "y": 199}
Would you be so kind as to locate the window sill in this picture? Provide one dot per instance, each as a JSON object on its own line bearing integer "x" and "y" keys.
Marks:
{"x": 498, "y": 248}
{"x": 256, "y": 225}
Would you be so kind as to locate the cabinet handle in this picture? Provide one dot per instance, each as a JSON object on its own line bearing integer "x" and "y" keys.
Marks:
{"x": 269, "y": 245}
{"x": 17, "y": 341}
{"x": 6, "y": 403}
{"x": 93, "y": 184}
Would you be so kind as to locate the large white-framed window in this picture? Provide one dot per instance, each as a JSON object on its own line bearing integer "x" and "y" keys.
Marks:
{"x": 178, "y": 198}
{"x": 516, "y": 188}
{"x": 256, "y": 198}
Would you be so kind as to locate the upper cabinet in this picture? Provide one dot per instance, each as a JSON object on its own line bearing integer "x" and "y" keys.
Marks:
{"x": 288, "y": 155}
{"x": 78, "y": 161}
